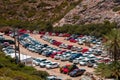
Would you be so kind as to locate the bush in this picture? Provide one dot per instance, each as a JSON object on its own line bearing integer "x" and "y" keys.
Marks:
{"x": 42, "y": 74}
{"x": 21, "y": 65}
{"x": 32, "y": 1}
{"x": 19, "y": 71}
{"x": 1, "y": 65}
{"x": 97, "y": 30}
{"x": 115, "y": 9}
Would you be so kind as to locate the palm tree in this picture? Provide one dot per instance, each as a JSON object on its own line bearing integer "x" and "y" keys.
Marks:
{"x": 103, "y": 70}
{"x": 113, "y": 44}
{"x": 115, "y": 69}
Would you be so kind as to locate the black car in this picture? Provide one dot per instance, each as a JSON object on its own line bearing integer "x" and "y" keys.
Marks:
{"x": 77, "y": 72}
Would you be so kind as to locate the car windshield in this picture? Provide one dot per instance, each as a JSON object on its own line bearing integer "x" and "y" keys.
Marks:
{"x": 46, "y": 62}
{"x": 38, "y": 60}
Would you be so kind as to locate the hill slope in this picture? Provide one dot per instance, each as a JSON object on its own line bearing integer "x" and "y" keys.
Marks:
{"x": 92, "y": 11}
{"x": 36, "y": 10}
{"x": 58, "y": 12}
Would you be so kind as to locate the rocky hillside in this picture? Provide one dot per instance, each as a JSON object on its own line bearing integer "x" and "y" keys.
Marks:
{"x": 59, "y": 12}
{"x": 92, "y": 11}
{"x": 36, "y": 10}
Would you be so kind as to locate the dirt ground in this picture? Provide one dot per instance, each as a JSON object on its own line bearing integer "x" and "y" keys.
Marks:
{"x": 51, "y": 71}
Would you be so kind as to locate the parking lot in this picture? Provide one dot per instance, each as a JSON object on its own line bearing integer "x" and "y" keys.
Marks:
{"x": 51, "y": 71}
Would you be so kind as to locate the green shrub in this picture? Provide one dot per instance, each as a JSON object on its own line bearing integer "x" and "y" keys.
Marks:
{"x": 30, "y": 14}
{"x": 21, "y": 65}
{"x": 19, "y": 71}
{"x": 1, "y": 65}
{"x": 32, "y": 1}
{"x": 115, "y": 9}
{"x": 88, "y": 29}
{"x": 25, "y": 7}
{"x": 42, "y": 74}
{"x": 42, "y": 4}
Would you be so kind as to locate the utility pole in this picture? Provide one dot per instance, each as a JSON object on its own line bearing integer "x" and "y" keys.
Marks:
{"x": 14, "y": 36}
{"x": 18, "y": 44}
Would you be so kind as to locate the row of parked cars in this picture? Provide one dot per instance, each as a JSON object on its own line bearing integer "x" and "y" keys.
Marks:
{"x": 61, "y": 45}
{"x": 81, "y": 39}
{"x": 75, "y": 38}
{"x": 55, "y": 34}
{"x": 44, "y": 63}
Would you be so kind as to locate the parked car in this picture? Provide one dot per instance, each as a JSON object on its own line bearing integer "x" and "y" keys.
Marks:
{"x": 77, "y": 72}
{"x": 57, "y": 56}
{"x": 37, "y": 61}
{"x": 68, "y": 68}
{"x": 80, "y": 42}
{"x": 65, "y": 57}
{"x": 76, "y": 61}
{"x": 90, "y": 63}
{"x": 73, "y": 56}
{"x": 52, "y": 65}
{"x": 83, "y": 63}
{"x": 53, "y": 77}
{"x": 44, "y": 63}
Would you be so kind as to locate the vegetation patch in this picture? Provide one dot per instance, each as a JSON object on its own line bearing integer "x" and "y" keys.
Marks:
{"x": 115, "y": 9}
{"x": 10, "y": 70}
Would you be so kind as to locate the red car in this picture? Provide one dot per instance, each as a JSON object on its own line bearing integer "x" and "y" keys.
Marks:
{"x": 73, "y": 40}
{"x": 84, "y": 50}
{"x": 104, "y": 61}
{"x": 53, "y": 54}
{"x": 69, "y": 46}
{"x": 66, "y": 35}
{"x": 68, "y": 68}
{"x": 59, "y": 52}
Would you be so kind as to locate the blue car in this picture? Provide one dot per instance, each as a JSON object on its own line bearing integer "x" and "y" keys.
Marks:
{"x": 77, "y": 72}
{"x": 48, "y": 53}
{"x": 73, "y": 56}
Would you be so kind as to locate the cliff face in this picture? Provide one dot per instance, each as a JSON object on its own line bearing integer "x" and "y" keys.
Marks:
{"x": 92, "y": 11}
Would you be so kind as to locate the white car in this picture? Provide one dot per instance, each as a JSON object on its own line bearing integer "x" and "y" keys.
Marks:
{"x": 76, "y": 61}
{"x": 80, "y": 42}
{"x": 78, "y": 49}
{"x": 65, "y": 57}
{"x": 83, "y": 63}
{"x": 31, "y": 48}
{"x": 52, "y": 65}
{"x": 53, "y": 77}
{"x": 37, "y": 61}
{"x": 95, "y": 66}
{"x": 85, "y": 55}
{"x": 44, "y": 63}
{"x": 91, "y": 56}
{"x": 57, "y": 57}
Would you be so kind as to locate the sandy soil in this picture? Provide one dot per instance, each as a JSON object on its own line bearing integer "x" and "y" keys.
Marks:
{"x": 51, "y": 71}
